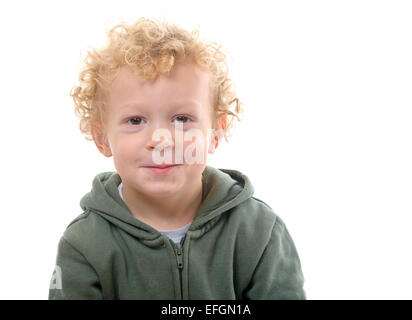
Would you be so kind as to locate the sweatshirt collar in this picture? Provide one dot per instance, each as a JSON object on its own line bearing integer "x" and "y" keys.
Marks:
{"x": 222, "y": 190}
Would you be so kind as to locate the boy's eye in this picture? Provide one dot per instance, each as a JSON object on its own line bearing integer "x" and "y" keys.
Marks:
{"x": 135, "y": 121}
{"x": 182, "y": 119}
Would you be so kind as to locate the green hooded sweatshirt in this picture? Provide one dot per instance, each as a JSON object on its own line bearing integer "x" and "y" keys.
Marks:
{"x": 235, "y": 248}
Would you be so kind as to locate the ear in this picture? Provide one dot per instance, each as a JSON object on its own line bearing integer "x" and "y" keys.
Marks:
{"x": 101, "y": 141}
{"x": 218, "y": 133}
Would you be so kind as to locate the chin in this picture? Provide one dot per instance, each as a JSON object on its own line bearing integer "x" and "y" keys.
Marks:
{"x": 162, "y": 193}
{"x": 160, "y": 189}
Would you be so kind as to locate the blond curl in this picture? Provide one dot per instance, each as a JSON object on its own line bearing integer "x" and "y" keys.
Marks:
{"x": 152, "y": 47}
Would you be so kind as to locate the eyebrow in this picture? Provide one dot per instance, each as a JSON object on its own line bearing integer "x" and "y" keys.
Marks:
{"x": 131, "y": 106}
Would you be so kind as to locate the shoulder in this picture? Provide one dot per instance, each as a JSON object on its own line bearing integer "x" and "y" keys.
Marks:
{"x": 254, "y": 210}
{"x": 85, "y": 231}
{"x": 255, "y": 220}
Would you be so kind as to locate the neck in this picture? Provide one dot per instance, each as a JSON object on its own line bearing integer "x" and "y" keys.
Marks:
{"x": 164, "y": 213}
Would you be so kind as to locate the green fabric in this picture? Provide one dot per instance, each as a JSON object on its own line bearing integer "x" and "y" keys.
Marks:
{"x": 235, "y": 248}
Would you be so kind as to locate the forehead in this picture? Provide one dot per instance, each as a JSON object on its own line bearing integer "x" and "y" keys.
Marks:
{"x": 186, "y": 81}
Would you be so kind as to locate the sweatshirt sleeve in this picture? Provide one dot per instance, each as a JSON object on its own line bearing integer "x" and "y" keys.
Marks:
{"x": 73, "y": 278}
{"x": 278, "y": 275}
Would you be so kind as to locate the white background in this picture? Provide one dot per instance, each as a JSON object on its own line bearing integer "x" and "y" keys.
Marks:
{"x": 326, "y": 138}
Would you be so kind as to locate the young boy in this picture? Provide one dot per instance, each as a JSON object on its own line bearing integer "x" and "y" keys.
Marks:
{"x": 165, "y": 225}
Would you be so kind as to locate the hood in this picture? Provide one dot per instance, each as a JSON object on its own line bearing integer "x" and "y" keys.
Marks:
{"x": 223, "y": 189}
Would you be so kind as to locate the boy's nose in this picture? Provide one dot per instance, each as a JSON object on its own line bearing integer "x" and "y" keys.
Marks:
{"x": 160, "y": 138}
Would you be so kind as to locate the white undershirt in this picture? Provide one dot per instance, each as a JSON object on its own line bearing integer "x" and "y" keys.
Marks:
{"x": 175, "y": 235}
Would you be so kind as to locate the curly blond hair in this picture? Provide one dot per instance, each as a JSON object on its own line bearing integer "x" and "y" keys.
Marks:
{"x": 151, "y": 47}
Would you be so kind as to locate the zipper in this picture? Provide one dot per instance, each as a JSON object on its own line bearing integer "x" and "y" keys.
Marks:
{"x": 178, "y": 249}
{"x": 179, "y": 256}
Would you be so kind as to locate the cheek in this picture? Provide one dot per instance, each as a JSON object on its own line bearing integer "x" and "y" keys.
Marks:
{"x": 194, "y": 171}
{"x": 125, "y": 149}
{"x": 195, "y": 150}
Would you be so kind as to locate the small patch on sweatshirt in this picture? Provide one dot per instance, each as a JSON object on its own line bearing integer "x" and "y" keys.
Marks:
{"x": 56, "y": 280}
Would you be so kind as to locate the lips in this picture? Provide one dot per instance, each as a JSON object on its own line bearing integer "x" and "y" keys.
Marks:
{"x": 162, "y": 169}
{"x": 161, "y": 166}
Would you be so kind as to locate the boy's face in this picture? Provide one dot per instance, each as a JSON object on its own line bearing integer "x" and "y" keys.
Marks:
{"x": 135, "y": 113}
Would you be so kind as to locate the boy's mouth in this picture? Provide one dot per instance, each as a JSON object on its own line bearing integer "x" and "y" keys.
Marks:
{"x": 163, "y": 166}
{"x": 161, "y": 169}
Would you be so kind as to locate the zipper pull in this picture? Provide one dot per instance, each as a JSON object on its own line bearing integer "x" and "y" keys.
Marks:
{"x": 179, "y": 256}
